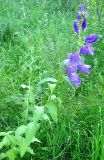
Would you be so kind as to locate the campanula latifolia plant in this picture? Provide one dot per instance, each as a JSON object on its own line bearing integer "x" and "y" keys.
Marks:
{"x": 75, "y": 61}
{"x": 19, "y": 142}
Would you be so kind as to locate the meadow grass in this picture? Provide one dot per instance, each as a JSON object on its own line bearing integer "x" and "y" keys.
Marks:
{"x": 35, "y": 37}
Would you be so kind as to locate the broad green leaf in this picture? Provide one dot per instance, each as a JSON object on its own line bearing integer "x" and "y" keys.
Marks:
{"x": 45, "y": 117}
{"x": 5, "y": 142}
{"x": 30, "y": 132}
{"x": 11, "y": 154}
{"x": 2, "y": 134}
{"x": 11, "y": 138}
{"x": 23, "y": 147}
{"x": 2, "y": 156}
{"x": 20, "y": 130}
{"x": 38, "y": 113}
{"x": 52, "y": 108}
{"x": 30, "y": 150}
{"x": 20, "y": 140}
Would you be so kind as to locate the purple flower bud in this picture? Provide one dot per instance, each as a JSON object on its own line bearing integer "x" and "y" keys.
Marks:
{"x": 84, "y": 68}
{"x": 76, "y": 28}
{"x": 75, "y": 79}
{"x": 91, "y": 38}
{"x": 78, "y": 17}
{"x": 82, "y": 13}
{"x": 88, "y": 49}
{"x": 75, "y": 58}
{"x": 81, "y": 8}
{"x": 84, "y": 24}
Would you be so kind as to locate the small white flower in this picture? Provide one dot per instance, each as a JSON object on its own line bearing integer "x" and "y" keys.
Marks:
{"x": 24, "y": 86}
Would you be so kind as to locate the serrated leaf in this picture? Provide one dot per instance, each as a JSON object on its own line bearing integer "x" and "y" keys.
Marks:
{"x": 29, "y": 134}
{"x": 52, "y": 108}
{"x": 30, "y": 150}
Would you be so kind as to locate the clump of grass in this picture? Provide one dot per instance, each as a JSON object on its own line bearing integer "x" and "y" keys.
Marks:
{"x": 6, "y": 32}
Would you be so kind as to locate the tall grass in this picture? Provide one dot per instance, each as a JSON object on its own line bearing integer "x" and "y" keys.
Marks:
{"x": 34, "y": 39}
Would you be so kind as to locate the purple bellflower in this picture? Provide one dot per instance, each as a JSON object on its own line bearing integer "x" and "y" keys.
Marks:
{"x": 75, "y": 59}
{"x": 76, "y": 28}
{"x": 75, "y": 79}
{"x": 75, "y": 62}
{"x": 84, "y": 68}
{"x": 84, "y": 24}
{"x": 91, "y": 38}
{"x": 71, "y": 69}
{"x": 87, "y": 49}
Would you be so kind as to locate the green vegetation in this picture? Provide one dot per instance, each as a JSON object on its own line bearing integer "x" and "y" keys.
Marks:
{"x": 42, "y": 117}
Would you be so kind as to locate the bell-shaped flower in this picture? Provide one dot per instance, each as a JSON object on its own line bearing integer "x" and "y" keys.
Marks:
{"x": 75, "y": 59}
{"x": 87, "y": 49}
{"x": 84, "y": 68}
{"x": 75, "y": 79}
{"x": 91, "y": 38}
{"x": 71, "y": 69}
